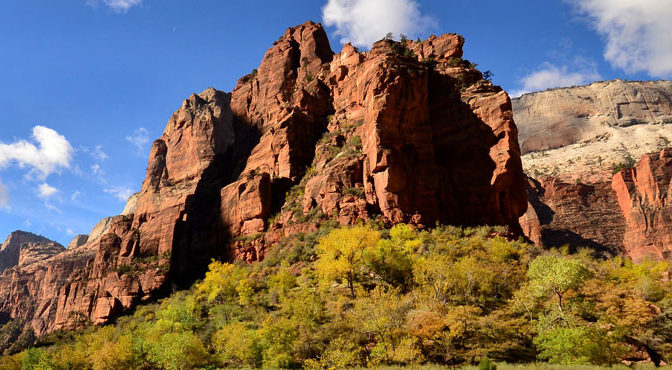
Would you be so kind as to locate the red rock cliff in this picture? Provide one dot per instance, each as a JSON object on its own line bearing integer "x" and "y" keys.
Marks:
{"x": 403, "y": 133}
{"x": 644, "y": 195}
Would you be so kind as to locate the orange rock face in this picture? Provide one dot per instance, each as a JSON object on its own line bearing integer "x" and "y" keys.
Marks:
{"x": 644, "y": 195}
{"x": 403, "y": 133}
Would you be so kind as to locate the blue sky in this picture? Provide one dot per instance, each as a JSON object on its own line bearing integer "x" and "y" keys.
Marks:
{"x": 87, "y": 85}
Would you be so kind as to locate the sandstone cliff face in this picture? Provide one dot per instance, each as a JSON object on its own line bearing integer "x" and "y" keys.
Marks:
{"x": 22, "y": 248}
{"x": 644, "y": 194}
{"x": 560, "y": 117}
{"x": 402, "y": 133}
{"x": 579, "y": 133}
{"x": 575, "y": 214}
{"x": 576, "y": 135}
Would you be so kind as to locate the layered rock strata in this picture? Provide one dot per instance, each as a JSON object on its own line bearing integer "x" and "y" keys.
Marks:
{"x": 582, "y": 133}
{"x": 576, "y": 141}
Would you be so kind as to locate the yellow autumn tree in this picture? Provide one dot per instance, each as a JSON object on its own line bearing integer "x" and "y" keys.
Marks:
{"x": 342, "y": 254}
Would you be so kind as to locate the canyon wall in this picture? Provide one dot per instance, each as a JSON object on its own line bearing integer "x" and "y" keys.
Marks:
{"x": 599, "y": 163}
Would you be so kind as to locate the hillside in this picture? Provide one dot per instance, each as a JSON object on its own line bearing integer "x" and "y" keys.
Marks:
{"x": 349, "y": 297}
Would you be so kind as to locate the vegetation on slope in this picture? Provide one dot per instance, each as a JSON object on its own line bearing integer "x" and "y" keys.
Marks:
{"x": 364, "y": 296}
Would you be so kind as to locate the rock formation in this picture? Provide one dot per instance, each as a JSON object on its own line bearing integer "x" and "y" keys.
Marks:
{"x": 22, "y": 248}
{"x": 78, "y": 241}
{"x": 574, "y": 214}
{"x": 576, "y": 142}
{"x": 580, "y": 133}
{"x": 644, "y": 194}
{"x": 407, "y": 132}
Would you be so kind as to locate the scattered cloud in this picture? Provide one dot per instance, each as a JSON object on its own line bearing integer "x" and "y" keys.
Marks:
{"x": 119, "y": 6}
{"x": 4, "y": 196}
{"x": 46, "y": 191}
{"x": 550, "y": 75}
{"x": 637, "y": 33}
{"x": 52, "y": 207}
{"x": 27, "y": 223}
{"x": 364, "y": 21}
{"x": 75, "y": 196}
{"x": 69, "y": 232}
{"x": 140, "y": 139}
{"x": 98, "y": 153}
{"x": 52, "y": 152}
{"x": 121, "y": 193}
{"x": 95, "y": 169}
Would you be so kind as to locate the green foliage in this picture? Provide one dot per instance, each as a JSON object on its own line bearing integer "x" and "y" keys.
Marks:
{"x": 550, "y": 274}
{"x": 356, "y": 192}
{"x": 629, "y": 162}
{"x": 455, "y": 62}
{"x": 574, "y": 346}
{"x": 37, "y": 359}
{"x": 486, "y": 364}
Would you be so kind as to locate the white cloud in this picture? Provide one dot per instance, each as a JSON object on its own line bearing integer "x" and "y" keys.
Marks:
{"x": 45, "y": 191}
{"x": 75, "y": 196}
{"x": 364, "y": 21}
{"x": 119, "y": 6}
{"x": 98, "y": 154}
{"x": 54, "y": 151}
{"x": 4, "y": 196}
{"x": 550, "y": 76}
{"x": 52, "y": 207}
{"x": 637, "y": 33}
{"x": 120, "y": 193}
{"x": 139, "y": 138}
{"x": 69, "y": 232}
{"x": 95, "y": 169}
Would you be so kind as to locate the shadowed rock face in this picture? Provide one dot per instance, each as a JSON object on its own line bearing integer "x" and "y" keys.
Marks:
{"x": 403, "y": 133}
{"x": 575, "y": 214}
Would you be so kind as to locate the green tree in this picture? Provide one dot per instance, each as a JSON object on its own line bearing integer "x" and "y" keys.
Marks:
{"x": 550, "y": 274}
{"x": 37, "y": 359}
{"x": 574, "y": 345}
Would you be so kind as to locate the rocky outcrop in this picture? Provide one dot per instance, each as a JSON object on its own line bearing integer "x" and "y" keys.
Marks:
{"x": 560, "y": 117}
{"x": 407, "y": 132}
{"x": 644, "y": 194}
{"x": 23, "y": 248}
{"x": 78, "y": 241}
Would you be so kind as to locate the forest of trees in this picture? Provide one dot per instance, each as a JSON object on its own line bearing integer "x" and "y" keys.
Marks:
{"x": 366, "y": 296}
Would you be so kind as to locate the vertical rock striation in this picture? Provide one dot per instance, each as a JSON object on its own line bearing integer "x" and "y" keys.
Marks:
{"x": 644, "y": 195}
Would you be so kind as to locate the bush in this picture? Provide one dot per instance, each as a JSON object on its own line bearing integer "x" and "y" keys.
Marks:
{"x": 629, "y": 162}
{"x": 486, "y": 364}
